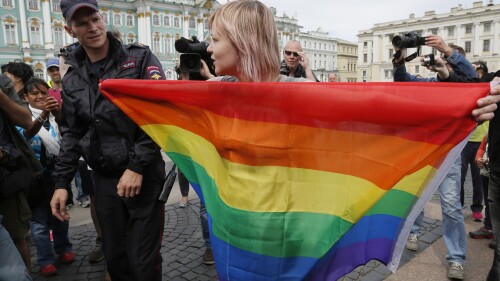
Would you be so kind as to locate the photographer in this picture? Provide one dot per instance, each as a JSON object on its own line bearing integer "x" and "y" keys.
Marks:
{"x": 494, "y": 162}
{"x": 454, "y": 56}
{"x": 450, "y": 188}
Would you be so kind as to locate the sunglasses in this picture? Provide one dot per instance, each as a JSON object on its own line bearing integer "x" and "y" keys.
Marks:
{"x": 295, "y": 54}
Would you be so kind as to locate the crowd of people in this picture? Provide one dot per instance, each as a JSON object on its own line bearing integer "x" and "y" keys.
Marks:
{"x": 55, "y": 130}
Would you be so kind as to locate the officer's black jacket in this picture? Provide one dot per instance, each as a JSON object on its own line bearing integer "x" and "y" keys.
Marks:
{"x": 95, "y": 128}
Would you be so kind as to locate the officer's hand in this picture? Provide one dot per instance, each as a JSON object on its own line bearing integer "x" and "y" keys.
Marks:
{"x": 487, "y": 105}
{"x": 58, "y": 204}
{"x": 130, "y": 184}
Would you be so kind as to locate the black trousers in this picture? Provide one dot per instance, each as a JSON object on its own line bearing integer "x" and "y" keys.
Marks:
{"x": 132, "y": 228}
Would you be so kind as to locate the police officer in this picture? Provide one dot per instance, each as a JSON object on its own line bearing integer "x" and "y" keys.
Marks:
{"x": 126, "y": 164}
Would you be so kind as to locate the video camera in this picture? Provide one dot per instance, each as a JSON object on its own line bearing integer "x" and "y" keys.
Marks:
{"x": 193, "y": 51}
{"x": 408, "y": 40}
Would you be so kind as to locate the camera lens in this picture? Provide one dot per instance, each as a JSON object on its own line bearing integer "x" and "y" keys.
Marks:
{"x": 397, "y": 41}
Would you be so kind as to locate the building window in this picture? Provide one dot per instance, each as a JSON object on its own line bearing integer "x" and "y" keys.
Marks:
{"x": 130, "y": 21}
{"x": 38, "y": 73}
{"x": 434, "y": 31}
{"x": 166, "y": 21}
{"x": 33, "y": 5}
{"x": 206, "y": 24}
{"x": 56, "y": 6}
{"x": 391, "y": 53}
{"x": 417, "y": 68}
{"x": 105, "y": 18}
{"x": 130, "y": 38}
{"x": 468, "y": 46}
{"x": 177, "y": 22}
{"x": 58, "y": 34}
{"x": 451, "y": 31}
{"x": 365, "y": 58}
{"x": 468, "y": 29}
{"x": 192, "y": 23}
{"x": 7, "y": 4}
{"x": 486, "y": 45}
{"x": 388, "y": 73}
{"x": 156, "y": 20}
{"x": 156, "y": 43}
{"x": 168, "y": 43}
{"x": 117, "y": 19}
{"x": 487, "y": 27}
{"x": 36, "y": 38}
{"x": 10, "y": 33}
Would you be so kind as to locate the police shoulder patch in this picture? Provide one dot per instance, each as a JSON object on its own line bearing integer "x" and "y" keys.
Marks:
{"x": 153, "y": 72}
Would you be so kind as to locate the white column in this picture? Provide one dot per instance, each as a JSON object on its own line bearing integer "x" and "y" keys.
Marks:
{"x": 458, "y": 35}
{"x": 24, "y": 24}
{"x": 47, "y": 25}
{"x": 141, "y": 25}
{"x": 476, "y": 49}
{"x": 201, "y": 27}
{"x": 148, "y": 23}
{"x": 376, "y": 51}
{"x": 185, "y": 25}
{"x": 496, "y": 41}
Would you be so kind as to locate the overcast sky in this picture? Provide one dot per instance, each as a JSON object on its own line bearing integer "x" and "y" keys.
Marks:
{"x": 344, "y": 18}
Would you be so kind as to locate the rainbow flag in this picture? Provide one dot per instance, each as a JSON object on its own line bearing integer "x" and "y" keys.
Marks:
{"x": 305, "y": 181}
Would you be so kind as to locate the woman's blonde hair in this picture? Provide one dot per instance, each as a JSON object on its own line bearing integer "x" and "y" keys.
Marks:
{"x": 249, "y": 25}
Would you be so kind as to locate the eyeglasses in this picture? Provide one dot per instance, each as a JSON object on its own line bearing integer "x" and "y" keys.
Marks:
{"x": 288, "y": 53}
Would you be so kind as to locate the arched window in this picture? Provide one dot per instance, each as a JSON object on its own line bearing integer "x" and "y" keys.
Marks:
{"x": 58, "y": 34}
{"x": 34, "y": 5}
{"x": 177, "y": 22}
{"x": 10, "y": 31}
{"x": 156, "y": 43}
{"x": 35, "y": 32}
{"x": 168, "y": 42}
{"x": 117, "y": 19}
{"x": 166, "y": 21}
{"x": 105, "y": 18}
{"x": 130, "y": 20}
{"x": 39, "y": 73}
{"x": 56, "y": 6}
{"x": 156, "y": 20}
{"x": 206, "y": 24}
{"x": 192, "y": 22}
{"x": 130, "y": 38}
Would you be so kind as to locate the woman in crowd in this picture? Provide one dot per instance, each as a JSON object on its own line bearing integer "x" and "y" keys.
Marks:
{"x": 44, "y": 138}
{"x": 19, "y": 73}
{"x": 245, "y": 43}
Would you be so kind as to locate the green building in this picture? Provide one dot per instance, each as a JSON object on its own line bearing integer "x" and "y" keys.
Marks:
{"x": 33, "y": 30}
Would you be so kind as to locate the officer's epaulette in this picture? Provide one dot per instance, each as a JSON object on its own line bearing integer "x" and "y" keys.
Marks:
{"x": 136, "y": 45}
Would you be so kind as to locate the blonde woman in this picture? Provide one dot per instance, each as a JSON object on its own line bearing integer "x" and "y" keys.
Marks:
{"x": 245, "y": 43}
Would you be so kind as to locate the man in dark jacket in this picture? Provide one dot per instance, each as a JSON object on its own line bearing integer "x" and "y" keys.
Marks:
{"x": 296, "y": 62}
{"x": 127, "y": 167}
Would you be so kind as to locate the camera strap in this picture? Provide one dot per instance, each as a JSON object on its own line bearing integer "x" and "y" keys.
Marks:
{"x": 413, "y": 56}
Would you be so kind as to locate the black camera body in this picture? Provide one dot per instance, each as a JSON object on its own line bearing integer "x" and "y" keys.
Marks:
{"x": 66, "y": 50}
{"x": 429, "y": 60}
{"x": 193, "y": 51}
{"x": 408, "y": 40}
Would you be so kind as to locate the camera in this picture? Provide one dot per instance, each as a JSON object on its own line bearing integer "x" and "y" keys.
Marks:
{"x": 193, "y": 51}
{"x": 408, "y": 40}
{"x": 64, "y": 51}
{"x": 429, "y": 60}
